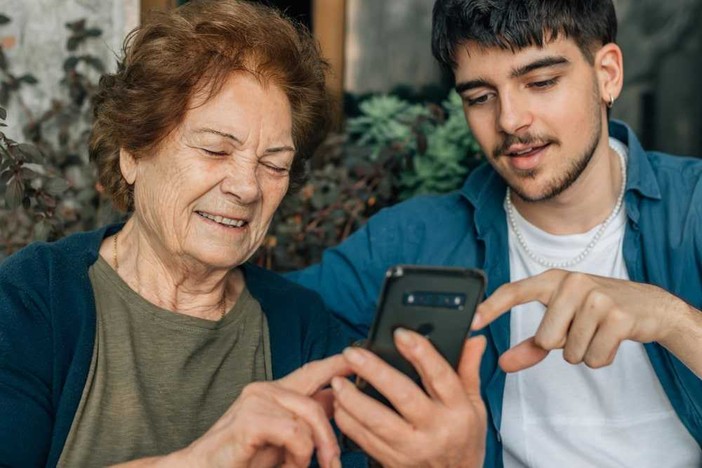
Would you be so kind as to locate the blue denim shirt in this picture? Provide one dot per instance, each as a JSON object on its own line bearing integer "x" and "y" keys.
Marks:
{"x": 662, "y": 246}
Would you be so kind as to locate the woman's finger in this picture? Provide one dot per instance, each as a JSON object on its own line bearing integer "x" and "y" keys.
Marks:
{"x": 313, "y": 414}
{"x": 315, "y": 375}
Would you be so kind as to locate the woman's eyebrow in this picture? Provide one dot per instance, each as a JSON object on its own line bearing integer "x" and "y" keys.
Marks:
{"x": 217, "y": 132}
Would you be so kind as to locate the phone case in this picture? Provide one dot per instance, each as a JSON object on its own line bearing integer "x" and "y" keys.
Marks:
{"x": 437, "y": 302}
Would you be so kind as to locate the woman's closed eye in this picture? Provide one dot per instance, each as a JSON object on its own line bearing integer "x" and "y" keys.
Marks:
{"x": 214, "y": 152}
{"x": 276, "y": 169}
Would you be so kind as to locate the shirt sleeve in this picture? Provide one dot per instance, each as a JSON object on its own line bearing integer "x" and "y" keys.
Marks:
{"x": 349, "y": 276}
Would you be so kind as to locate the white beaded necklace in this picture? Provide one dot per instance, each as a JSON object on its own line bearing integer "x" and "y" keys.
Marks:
{"x": 595, "y": 239}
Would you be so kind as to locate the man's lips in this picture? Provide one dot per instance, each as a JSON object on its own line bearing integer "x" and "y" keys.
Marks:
{"x": 524, "y": 150}
{"x": 525, "y": 157}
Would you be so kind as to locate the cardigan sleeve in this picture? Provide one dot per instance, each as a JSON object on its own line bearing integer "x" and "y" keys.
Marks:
{"x": 26, "y": 408}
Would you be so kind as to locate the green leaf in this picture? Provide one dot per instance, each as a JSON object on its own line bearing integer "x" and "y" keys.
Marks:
{"x": 32, "y": 170}
{"x": 75, "y": 26}
{"x": 72, "y": 43}
{"x": 30, "y": 152}
{"x": 4, "y": 19}
{"x": 42, "y": 230}
{"x": 56, "y": 186}
{"x": 5, "y": 176}
{"x": 29, "y": 79}
{"x": 14, "y": 193}
{"x": 70, "y": 63}
{"x": 94, "y": 62}
{"x": 3, "y": 113}
{"x": 4, "y": 94}
{"x": 93, "y": 32}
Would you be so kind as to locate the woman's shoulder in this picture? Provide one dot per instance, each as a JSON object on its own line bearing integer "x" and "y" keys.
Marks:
{"x": 64, "y": 254}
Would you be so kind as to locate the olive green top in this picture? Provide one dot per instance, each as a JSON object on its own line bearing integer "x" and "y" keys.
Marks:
{"x": 159, "y": 379}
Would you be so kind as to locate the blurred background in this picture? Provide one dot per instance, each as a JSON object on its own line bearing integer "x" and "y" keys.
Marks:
{"x": 398, "y": 130}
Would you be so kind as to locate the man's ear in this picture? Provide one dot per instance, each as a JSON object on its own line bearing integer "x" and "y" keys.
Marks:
{"x": 609, "y": 67}
{"x": 128, "y": 166}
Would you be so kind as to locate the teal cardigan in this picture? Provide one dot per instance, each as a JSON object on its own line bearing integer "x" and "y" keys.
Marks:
{"x": 47, "y": 332}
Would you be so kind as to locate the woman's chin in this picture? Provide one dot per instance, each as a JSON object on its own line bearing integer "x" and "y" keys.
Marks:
{"x": 219, "y": 258}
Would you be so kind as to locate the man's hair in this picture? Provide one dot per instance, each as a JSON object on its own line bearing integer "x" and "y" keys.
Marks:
{"x": 516, "y": 24}
{"x": 191, "y": 50}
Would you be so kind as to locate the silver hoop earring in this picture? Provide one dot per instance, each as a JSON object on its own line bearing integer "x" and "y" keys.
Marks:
{"x": 611, "y": 101}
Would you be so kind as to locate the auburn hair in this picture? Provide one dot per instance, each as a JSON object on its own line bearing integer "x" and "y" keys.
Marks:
{"x": 192, "y": 49}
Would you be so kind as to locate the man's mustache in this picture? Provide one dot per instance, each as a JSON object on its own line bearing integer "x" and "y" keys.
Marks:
{"x": 527, "y": 140}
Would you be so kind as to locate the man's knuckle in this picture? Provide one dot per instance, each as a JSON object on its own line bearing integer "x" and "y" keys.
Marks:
{"x": 548, "y": 341}
{"x": 570, "y": 357}
{"x": 574, "y": 280}
{"x": 596, "y": 300}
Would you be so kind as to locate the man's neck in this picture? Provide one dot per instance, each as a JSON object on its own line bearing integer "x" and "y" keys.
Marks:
{"x": 583, "y": 205}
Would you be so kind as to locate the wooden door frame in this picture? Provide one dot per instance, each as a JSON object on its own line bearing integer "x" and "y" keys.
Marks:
{"x": 329, "y": 28}
{"x": 157, "y": 5}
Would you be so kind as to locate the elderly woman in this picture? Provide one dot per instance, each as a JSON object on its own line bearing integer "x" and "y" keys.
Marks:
{"x": 145, "y": 339}
{"x": 134, "y": 340}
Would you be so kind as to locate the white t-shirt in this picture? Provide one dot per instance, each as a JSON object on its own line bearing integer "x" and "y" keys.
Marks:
{"x": 559, "y": 415}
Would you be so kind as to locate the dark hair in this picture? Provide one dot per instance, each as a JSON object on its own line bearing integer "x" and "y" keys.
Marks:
{"x": 516, "y": 24}
{"x": 194, "y": 48}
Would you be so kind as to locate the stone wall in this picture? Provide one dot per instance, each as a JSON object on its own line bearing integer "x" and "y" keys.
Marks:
{"x": 34, "y": 42}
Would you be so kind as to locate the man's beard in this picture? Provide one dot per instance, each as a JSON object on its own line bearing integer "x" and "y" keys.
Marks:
{"x": 560, "y": 184}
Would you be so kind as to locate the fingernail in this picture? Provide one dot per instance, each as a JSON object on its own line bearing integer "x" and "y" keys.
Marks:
{"x": 477, "y": 322}
{"x": 336, "y": 384}
{"x": 403, "y": 336}
{"x": 354, "y": 355}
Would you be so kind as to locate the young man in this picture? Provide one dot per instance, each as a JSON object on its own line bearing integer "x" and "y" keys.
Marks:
{"x": 593, "y": 244}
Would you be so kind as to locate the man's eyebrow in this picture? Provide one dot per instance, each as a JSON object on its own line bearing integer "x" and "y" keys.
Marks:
{"x": 468, "y": 85}
{"x": 545, "y": 62}
{"x": 217, "y": 132}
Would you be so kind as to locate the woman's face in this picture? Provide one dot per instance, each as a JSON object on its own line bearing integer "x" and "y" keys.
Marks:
{"x": 209, "y": 194}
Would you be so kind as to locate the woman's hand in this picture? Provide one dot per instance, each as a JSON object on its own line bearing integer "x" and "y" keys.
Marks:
{"x": 271, "y": 424}
{"x": 443, "y": 427}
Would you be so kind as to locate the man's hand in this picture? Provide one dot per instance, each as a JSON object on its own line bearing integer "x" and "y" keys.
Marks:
{"x": 443, "y": 427}
{"x": 589, "y": 316}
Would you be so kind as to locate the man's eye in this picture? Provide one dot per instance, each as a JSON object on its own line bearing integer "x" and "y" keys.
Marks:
{"x": 543, "y": 84}
{"x": 478, "y": 100}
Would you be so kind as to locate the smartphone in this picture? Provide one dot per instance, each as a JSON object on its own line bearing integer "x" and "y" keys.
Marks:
{"x": 437, "y": 302}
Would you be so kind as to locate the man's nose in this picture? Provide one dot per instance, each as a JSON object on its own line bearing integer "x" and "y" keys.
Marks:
{"x": 515, "y": 116}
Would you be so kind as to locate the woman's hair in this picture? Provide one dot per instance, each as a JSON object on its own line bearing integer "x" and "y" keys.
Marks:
{"x": 192, "y": 49}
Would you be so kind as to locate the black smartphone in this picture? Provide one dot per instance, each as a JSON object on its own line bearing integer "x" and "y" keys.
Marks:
{"x": 437, "y": 302}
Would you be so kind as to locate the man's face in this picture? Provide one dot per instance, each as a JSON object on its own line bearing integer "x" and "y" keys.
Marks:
{"x": 536, "y": 113}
